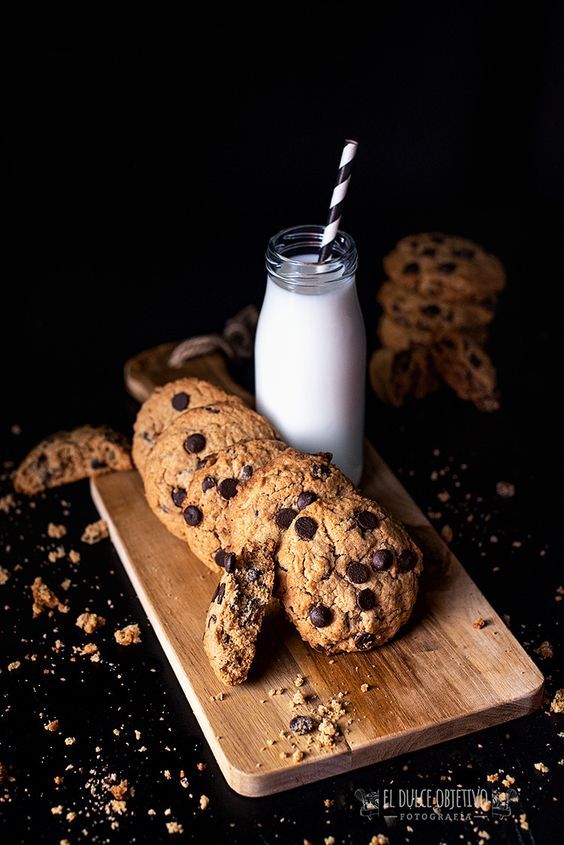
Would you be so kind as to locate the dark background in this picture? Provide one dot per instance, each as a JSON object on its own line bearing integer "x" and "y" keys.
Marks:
{"x": 144, "y": 172}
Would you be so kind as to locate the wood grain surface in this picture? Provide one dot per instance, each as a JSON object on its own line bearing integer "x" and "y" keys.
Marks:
{"x": 440, "y": 679}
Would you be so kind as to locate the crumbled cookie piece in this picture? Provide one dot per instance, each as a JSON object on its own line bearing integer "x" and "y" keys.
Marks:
{"x": 15, "y": 664}
{"x": 43, "y": 597}
{"x": 7, "y": 502}
{"x": 56, "y": 531}
{"x": 52, "y": 726}
{"x": 130, "y": 635}
{"x": 545, "y": 650}
{"x": 204, "y": 802}
{"x": 174, "y": 827}
{"x": 95, "y": 532}
{"x": 4, "y": 575}
{"x": 540, "y": 767}
{"x": 557, "y": 703}
{"x": 69, "y": 456}
{"x": 90, "y": 622}
{"x": 74, "y": 556}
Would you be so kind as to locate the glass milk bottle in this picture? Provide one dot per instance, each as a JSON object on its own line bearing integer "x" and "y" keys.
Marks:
{"x": 310, "y": 348}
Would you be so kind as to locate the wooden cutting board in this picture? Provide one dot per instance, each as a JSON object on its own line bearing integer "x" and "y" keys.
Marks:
{"x": 440, "y": 679}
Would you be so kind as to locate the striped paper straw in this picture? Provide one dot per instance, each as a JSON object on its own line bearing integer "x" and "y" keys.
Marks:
{"x": 339, "y": 194}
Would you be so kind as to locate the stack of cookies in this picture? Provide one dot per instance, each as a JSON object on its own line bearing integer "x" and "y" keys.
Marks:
{"x": 439, "y": 299}
{"x": 271, "y": 520}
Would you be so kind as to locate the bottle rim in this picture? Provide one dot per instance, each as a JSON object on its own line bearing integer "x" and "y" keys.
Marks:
{"x": 285, "y": 264}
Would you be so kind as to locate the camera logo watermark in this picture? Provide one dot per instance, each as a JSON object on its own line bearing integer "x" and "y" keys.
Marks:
{"x": 446, "y": 804}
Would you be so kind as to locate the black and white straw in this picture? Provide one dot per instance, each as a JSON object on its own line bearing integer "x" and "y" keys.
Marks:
{"x": 339, "y": 194}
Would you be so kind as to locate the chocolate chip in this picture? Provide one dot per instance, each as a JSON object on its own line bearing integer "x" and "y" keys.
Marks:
{"x": 252, "y": 575}
{"x": 305, "y": 527}
{"x": 430, "y": 251}
{"x": 305, "y": 499}
{"x": 213, "y": 618}
{"x": 227, "y": 560}
{"x": 192, "y": 515}
{"x": 97, "y": 464}
{"x": 320, "y": 471}
{"x": 283, "y": 518}
{"x": 228, "y": 488}
{"x": 366, "y": 599}
{"x": 180, "y": 401}
{"x": 358, "y": 573}
{"x": 320, "y": 616}
{"x": 475, "y": 361}
{"x": 364, "y": 641}
{"x": 178, "y": 496}
{"x": 366, "y": 520}
{"x": 406, "y": 560}
{"x": 211, "y": 410}
{"x": 195, "y": 443}
{"x": 382, "y": 559}
{"x": 219, "y": 593}
{"x": 463, "y": 252}
{"x": 201, "y": 462}
{"x": 302, "y": 725}
{"x": 208, "y": 483}
{"x": 148, "y": 437}
{"x": 412, "y": 267}
{"x": 437, "y": 238}
{"x": 430, "y": 310}
{"x": 447, "y": 267}
{"x": 246, "y": 472}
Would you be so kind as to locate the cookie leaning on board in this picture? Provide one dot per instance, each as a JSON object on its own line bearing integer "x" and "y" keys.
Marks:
{"x": 438, "y": 301}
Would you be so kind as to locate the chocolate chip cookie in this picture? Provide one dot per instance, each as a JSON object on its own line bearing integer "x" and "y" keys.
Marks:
{"x": 164, "y": 405}
{"x": 237, "y": 610}
{"x": 177, "y": 454}
{"x": 277, "y": 492}
{"x": 214, "y": 487}
{"x": 347, "y": 574}
{"x": 395, "y": 336}
{"x": 395, "y": 376}
{"x": 467, "y": 368}
{"x": 423, "y": 314}
{"x": 68, "y": 456}
{"x": 444, "y": 267}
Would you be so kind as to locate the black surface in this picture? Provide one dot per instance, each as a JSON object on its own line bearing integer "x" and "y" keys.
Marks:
{"x": 143, "y": 179}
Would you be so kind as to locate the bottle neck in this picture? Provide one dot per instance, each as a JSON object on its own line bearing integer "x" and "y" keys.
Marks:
{"x": 292, "y": 261}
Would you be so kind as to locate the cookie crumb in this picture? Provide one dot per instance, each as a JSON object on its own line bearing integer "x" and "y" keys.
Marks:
{"x": 201, "y": 767}
{"x": 130, "y": 635}
{"x": 56, "y": 554}
{"x": 505, "y": 489}
{"x": 14, "y": 665}
{"x": 298, "y": 756}
{"x": 364, "y": 687}
{"x": 523, "y": 823}
{"x": 479, "y": 623}
{"x": 204, "y": 802}
{"x": 4, "y": 575}
{"x": 540, "y": 767}
{"x": 70, "y": 740}
{"x": 557, "y": 703}
{"x": 44, "y": 597}
{"x": 492, "y": 778}
{"x": 56, "y": 531}
{"x": 299, "y": 681}
{"x": 379, "y": 839}
{"x": 298, "y": 699}
{"x": 90, "y": 622}
{"x": 52, "y": 726}
{"x": 94, "y": 532}
{"x": 174, "y": 827}
{"x": 447, "y": 533}
{"x": 74, "y": 556}
{"x": 7, "y": 502}
{"x": 545, "y": 650}
{"x": 277, "y": 691}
